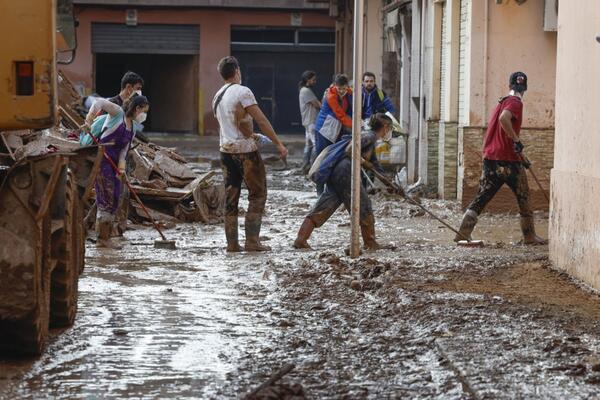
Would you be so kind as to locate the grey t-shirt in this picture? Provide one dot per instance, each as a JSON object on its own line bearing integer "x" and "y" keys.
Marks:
{"x": 307, "y": 110}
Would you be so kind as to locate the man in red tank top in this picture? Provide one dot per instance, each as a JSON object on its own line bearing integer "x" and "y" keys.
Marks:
{"x": 503, "y": 162}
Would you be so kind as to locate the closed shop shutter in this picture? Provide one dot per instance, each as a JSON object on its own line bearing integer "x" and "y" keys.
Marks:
{"x": 465, "y": 5}
{"x": 443, "y": 64}
{"x": 145, "y": 39}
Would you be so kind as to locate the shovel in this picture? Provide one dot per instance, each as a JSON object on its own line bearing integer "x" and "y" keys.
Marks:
{"x": 466, "y": 242}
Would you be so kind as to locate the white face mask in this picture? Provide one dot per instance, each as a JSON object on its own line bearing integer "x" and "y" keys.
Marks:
{"x": 139, "y": 92}
{"x": 388, "y": 135}
{"x": 141, "y": 117}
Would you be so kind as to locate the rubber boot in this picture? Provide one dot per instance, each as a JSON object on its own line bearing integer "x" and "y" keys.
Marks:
{"x": 231, "y": 234}
{"x": 367, "y": 230}
{"x": 303, "y": 234}
{"x": 466, "y": 226}
{"x": 103, "y": 228}
{"x": 529, "y": 236}
{"x": 253, "y": 223}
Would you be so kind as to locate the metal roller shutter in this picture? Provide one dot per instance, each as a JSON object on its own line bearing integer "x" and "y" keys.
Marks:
{"x": 462, "y": 60}
{"x": 145, "y": 39}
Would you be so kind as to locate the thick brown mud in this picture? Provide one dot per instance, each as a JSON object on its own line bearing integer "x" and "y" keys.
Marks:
{"x": 425, "y": 320}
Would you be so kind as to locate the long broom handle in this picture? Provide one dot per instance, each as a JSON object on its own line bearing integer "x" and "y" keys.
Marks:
{"x": 524, "y": 159}
{"x": 398, "y": 189}
{"x": 114, "y": 166}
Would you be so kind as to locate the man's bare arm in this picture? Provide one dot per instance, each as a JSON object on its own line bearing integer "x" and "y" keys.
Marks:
{"x": 266, "y": 128}
{"x": 506, "y": 122}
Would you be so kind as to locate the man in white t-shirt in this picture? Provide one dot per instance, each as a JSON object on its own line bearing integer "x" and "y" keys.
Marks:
{"x": 235, "y": 107}
{"x": 309, "y": 109}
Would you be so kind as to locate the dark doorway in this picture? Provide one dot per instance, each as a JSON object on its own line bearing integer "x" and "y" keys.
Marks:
{"x": 272, "y": 60}
{"x": 273, "y": 78}
{"x": 170, "y": 83}
{"x": 262, "y": 81}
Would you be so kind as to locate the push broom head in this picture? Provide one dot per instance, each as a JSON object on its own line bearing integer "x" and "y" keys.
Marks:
{"x": 165, "y": 244}
{"x": 470, "y": 243}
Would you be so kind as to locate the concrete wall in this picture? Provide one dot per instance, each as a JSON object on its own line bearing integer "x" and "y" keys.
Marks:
{"x": 215, "y": 31}
{"x": 575, "y": 216}
{"x": 373, "y": 43}
{"x": 511, "y": 39}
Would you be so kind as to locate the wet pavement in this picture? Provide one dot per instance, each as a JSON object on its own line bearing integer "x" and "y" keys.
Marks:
{"x": 425, "y": 320}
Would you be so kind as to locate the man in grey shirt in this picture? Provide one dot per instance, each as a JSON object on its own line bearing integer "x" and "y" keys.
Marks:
{"x": 309, "y": 109}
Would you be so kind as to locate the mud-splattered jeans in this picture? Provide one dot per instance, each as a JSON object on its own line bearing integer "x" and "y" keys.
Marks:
{"x": 497, "y": 173}
{"x": 250, "y": 169}
{"x": 337, "y": 192}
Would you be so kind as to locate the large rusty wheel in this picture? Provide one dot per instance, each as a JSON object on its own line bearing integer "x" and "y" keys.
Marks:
{"x": 66, "y": 244}
{"x": 28, "y": 335}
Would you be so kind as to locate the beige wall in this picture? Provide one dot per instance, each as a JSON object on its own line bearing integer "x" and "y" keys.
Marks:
{"x": 512, "y": 38}
{"x": 575, "y": 215}
{"x": 374, "y": 38}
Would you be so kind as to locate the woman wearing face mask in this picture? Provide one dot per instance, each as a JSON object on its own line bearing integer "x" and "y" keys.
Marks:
{"x": 338, "y": 188}
{"x": 118, "y": 132}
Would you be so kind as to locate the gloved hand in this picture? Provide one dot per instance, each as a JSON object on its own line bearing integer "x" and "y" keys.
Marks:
{"x": 526, "y": 163}
{"x": 518, "y": 146}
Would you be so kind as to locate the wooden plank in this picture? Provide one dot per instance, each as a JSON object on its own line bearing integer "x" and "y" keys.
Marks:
{"x": 59, "y": 163}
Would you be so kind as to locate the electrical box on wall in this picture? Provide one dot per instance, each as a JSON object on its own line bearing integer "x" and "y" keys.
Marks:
{"x": 551, "y": 15}
{"x": 131, "y": 17}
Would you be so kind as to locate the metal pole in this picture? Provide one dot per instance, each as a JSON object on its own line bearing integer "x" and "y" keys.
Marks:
{"x": 356, "y": 124}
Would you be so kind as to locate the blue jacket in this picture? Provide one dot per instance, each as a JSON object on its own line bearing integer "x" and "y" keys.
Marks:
{"x": 374, "y": 102}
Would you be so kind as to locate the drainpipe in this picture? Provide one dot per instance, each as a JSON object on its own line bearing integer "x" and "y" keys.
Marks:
{"x": 423, "y": 134}
{"x": 485, "y": 60}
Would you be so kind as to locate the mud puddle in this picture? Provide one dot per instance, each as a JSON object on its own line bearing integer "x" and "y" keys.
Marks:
{"x": 426, "y": 320}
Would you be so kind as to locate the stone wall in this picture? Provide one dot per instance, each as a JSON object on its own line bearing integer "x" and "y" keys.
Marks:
{"x": 447, "y": 160}
{"x": 539, "y": 148}
{"x": 433, "y": 133}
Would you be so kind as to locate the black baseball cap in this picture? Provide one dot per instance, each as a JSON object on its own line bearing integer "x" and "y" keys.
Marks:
{"x": 518, "y": 81}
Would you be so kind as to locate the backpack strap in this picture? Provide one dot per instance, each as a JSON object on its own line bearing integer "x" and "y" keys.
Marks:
{"x": 218, "y": 99}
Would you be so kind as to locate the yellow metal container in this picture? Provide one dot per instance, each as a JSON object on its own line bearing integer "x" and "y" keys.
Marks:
{"x": 27, "y": 64}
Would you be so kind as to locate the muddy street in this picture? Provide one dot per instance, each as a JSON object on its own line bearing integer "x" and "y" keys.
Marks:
{"x": 425, "y": 320}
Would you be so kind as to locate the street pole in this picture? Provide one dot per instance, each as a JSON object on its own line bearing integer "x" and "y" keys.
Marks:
{"x": 359, "y": 6}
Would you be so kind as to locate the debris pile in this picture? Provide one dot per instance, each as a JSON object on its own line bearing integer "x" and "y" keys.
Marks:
{"x": 70, "y": 104}
{"x": 166, "y": 183}
{"x": 164, "y": 180}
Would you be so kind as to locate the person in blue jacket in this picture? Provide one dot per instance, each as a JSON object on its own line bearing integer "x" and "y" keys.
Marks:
{"x": 374, "y": 100}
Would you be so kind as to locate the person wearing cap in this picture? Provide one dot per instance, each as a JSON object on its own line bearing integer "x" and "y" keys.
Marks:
{"x": 504, "y": 163}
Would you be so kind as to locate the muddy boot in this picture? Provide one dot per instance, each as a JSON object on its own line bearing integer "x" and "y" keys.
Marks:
{"x": 303, "y": 234}
{"x": 231, "y": 234}
{"x": 104, "y": 241}
{"x": 529, "y": 236}
{"x": 253, "y": 223}
{"x": 367, "y": 230}
{"x": 466, "y": 226}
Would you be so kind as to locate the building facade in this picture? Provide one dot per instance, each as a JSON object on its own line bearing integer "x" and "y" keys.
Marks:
{"x": 175, "y": 46}
{"x": 574, "y": 218}
{"x": 446, "y": 63}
